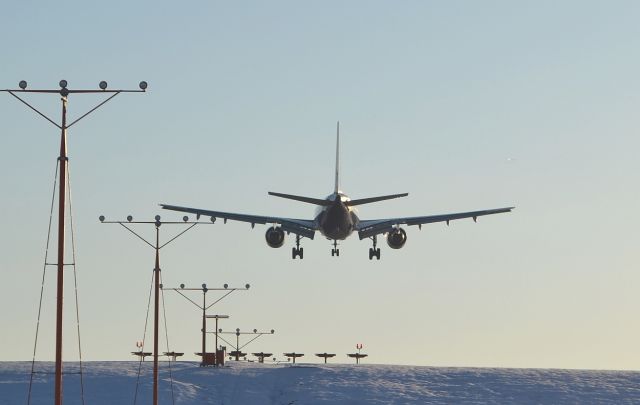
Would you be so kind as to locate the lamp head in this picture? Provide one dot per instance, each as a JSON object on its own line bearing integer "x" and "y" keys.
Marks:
{"x": 143, "y": 85}
{"x": 103, "y": 85}
{"x": 23, "y": 84}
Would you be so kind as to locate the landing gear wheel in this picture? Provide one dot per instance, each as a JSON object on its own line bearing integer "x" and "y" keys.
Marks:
{"x": 297, "y": 252}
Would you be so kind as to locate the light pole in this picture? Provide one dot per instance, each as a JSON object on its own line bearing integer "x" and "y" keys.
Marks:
{"x": 204, "y": 307}
{"x": 63, "y": 161}
{"x": 156, "y": 274}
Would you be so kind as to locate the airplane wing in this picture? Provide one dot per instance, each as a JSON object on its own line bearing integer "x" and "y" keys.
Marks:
{"x": 369, "y": 228}
{"x": 302, "y": 227}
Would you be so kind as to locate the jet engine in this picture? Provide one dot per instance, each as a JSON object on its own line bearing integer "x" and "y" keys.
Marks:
{"x": 274, "y": 237}
{"x": 396, "y": 238}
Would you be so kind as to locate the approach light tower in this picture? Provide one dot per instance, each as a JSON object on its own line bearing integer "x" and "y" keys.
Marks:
{"x": 156, "y": 274}
{"x": 237, "y": 353}
{"x": 204, "y": 307}
{"x": 63, "y": 161}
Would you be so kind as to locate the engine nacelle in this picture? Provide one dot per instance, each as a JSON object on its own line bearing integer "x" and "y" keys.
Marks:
{"x": 396, "y": 238}
{"x": 274, "y": 237}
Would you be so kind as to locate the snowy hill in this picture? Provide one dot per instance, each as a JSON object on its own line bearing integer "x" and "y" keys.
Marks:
{"x": 253, "y": 383}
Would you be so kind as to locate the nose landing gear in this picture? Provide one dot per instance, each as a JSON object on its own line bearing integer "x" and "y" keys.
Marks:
{"x": 374, "y": 251}
{"x": 297, "y": 251}
{"x": 335, "y": 251}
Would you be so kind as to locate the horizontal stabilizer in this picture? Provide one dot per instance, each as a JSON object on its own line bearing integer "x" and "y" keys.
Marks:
{"x": 316, "y": 201}
{"x": 374, "y": 199}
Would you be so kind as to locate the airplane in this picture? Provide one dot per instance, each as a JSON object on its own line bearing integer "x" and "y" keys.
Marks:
{"x": 336, "y": 219}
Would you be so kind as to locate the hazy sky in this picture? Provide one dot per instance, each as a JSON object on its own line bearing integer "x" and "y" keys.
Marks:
{"x": 465, "y": 105}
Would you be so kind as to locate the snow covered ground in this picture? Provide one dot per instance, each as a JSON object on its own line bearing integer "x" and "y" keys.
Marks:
{"x": 253, "y": 383}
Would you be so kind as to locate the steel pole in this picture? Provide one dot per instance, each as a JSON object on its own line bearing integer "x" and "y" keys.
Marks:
{"x": 61, "y": 222}
{"x": 204, "y": 326}
{"x": 237, "y": 346}
{"x": 216, "y": 341}
{"x": 156, "y": 316}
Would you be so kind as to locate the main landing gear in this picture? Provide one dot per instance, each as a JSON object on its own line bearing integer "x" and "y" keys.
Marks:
{"x": 374, "y": 251}
{"x": 297, "y": 251}
{"x": 335, "y": 251}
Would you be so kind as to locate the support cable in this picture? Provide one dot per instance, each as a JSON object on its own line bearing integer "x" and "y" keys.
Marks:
{"x": 144, "y": 338}
{"x": 44, "y": 270}
{"x": 166, "y": 334}
{"x": 75, "y": 281}
{"x": 226, "y": 341}
{"x": 246, "y": 344}
{"x": 178, "y": 235}
{"x": 189, "y": 299}
{"x": 219, "y": 299}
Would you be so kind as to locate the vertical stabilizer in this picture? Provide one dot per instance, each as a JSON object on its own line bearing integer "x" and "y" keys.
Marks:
{"x": 337, "y": 187}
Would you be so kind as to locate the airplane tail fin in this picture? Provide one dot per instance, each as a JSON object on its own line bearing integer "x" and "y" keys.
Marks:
{"x": 337, "y": 186}
{"x": 336, "y": 190}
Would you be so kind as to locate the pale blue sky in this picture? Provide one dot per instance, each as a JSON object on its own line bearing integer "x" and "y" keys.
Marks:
{"x": 465, "y": 105}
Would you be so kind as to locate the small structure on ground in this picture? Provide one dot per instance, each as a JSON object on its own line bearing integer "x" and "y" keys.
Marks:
{"x": 357, "y": 356}
{"x": 209, "y": 359}
{"x": 261, "y": 356}
{"x": 173, "y": 355}
{"x": 142, "y": 354}
{"x": 236, "y": 354}
{"x": 293, "y": 355}
{"x": 325, "y": 356}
